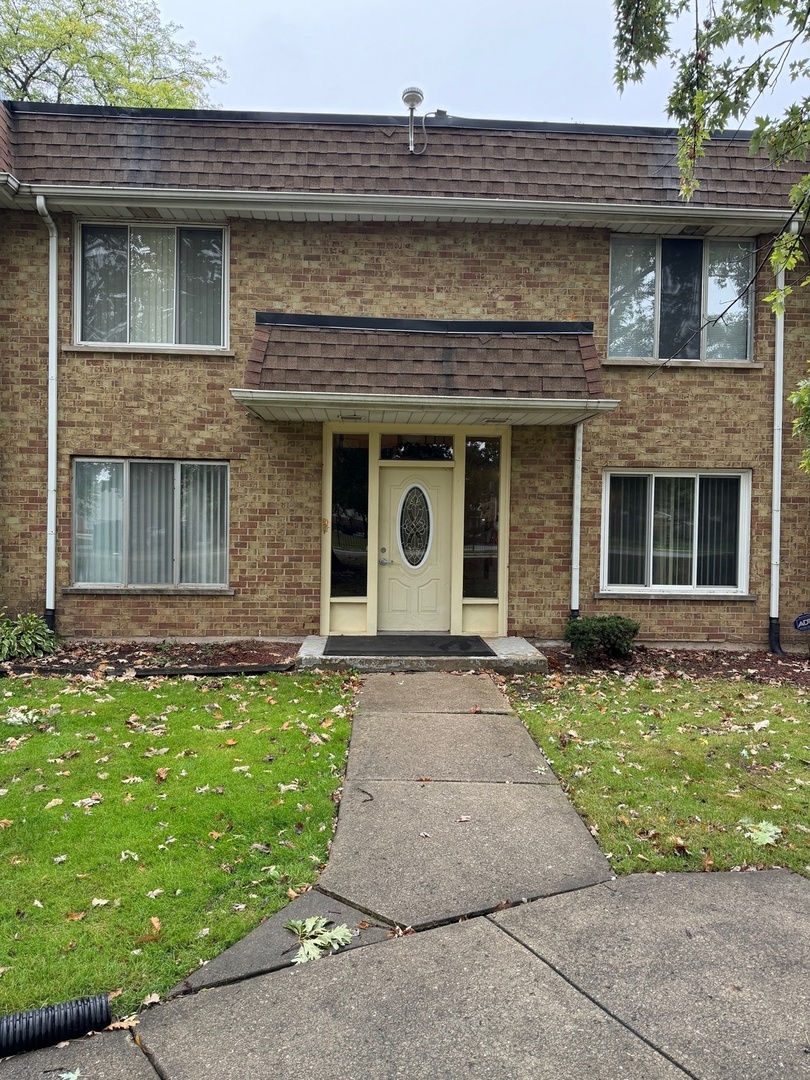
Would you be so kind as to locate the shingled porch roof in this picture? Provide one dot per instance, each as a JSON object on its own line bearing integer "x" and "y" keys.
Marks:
{"x": 325, "y": 368}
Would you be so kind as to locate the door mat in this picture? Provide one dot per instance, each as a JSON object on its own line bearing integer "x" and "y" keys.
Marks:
{"x": 407, "y": 645}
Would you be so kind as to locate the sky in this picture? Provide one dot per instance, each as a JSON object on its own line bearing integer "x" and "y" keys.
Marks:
{"x": 549, "y": 60}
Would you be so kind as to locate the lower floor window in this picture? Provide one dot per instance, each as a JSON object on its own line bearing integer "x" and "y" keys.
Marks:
{"x": 677, "y": 531}
{"x": 150, "y": 522}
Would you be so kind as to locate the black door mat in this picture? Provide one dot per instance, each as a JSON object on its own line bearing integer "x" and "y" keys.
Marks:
{"x": 407, "y": 645}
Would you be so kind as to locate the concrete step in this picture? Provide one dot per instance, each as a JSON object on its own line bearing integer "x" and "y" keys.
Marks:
{"x": 512, "y": 655}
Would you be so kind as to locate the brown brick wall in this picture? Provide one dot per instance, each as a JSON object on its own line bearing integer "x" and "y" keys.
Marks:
{"x": 139, "y": 405}
{"x": 795, "y": 567}
{"x": 540, "y": 531}
{"x": 23, "y": 403}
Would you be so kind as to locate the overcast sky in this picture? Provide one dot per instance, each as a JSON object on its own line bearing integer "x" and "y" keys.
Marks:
{"x": 505, "y": 59}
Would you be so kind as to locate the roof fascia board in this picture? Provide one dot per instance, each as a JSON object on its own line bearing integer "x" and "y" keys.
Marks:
{"x": 312, "y": 399}
{"x": 9, "y": 186}
{"x": 78, "y": 197}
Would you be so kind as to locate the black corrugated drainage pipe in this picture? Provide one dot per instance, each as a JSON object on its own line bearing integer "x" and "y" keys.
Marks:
{"x": 35, "y": 1029}
{"x": 774, "y": 644}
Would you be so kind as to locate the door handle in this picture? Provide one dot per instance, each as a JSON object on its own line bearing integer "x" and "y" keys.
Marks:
{"x": 386, "y": 562}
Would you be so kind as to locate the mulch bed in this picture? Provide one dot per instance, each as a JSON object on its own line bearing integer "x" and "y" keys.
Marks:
{"x": 757, "y": 667}
{"x": 164, "y": 657}
{"x": 159, "y": 657}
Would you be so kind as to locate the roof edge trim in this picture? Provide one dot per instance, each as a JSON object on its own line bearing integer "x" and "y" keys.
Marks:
{"x": 423, "y": 326}
{"x": 354, "y": 119}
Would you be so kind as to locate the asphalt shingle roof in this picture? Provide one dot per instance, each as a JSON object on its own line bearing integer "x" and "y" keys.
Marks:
{"x": 222, "y": 151}
{"x": 329, "y": 360}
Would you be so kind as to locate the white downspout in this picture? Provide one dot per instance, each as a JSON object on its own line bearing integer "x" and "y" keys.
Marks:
{"x": 576, "y": 518}
{"x": 776, "y": 490}
{"x": 53, "y": 316}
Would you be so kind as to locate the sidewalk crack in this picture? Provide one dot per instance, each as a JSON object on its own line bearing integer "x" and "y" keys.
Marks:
{"x": 595, "y": 1001}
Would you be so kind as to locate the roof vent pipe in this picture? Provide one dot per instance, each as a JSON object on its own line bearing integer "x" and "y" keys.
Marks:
{"x": 413, "y": 98}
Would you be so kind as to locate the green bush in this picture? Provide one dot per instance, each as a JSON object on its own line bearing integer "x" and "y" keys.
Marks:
{"x": 601, "y": 636}
{"x": 26, "y": 636}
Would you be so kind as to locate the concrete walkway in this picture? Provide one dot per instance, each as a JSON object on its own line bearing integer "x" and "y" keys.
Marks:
{"x": 527, "y": 958}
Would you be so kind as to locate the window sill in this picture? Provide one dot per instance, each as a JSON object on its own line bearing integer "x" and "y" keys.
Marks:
{"x": 649, "y": 594}
{"x": 755, "y": 365}
{"x": 148, "y": 350}
{"x": 148, "y": 590}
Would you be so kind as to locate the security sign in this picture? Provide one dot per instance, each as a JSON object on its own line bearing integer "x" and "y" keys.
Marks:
{"x": 802, "y": 623}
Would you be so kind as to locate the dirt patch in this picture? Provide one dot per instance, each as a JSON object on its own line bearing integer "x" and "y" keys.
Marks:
{"x": 757, "y": 667}
{"x": 112, "y": 657}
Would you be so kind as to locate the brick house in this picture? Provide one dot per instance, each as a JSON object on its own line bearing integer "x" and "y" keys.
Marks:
{"x": 276, "y": 375}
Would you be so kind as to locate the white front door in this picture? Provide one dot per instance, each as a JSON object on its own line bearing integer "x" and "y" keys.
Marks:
{"x": 414, "y": 553}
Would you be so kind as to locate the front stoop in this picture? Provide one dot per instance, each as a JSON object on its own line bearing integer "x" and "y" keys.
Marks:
{"x": 513, "y": 655}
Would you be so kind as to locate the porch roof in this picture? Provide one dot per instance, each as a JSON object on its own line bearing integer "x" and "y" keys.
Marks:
{"x": 422, "y": 371}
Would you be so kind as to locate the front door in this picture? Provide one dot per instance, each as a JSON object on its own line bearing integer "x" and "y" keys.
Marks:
{"x": 415, "y": 546}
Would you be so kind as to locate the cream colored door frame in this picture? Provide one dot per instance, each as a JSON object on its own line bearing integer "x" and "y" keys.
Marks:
{"x": 358, "y": 615}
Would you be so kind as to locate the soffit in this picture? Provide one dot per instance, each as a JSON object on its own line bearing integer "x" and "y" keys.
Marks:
{"x": 206, "y": 206}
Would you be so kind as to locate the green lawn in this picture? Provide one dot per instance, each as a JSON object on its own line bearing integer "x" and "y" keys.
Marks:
{"x": 677, "y": 773}
{"x": 147, "y": 825}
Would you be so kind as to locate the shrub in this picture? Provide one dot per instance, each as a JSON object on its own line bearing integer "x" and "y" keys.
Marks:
{"x": 26, "y": 636}
{"x": 597, "y": 636}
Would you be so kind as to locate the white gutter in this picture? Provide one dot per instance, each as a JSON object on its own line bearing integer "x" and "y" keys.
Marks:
{"x": 297, "y": 205}
{"x": 776, "y": 487}
{"x": 576, "y": 520}
{"x": 53, "y": 317}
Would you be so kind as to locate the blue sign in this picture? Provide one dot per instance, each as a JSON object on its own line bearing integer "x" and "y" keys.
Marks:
{"x": 803, "y": 622}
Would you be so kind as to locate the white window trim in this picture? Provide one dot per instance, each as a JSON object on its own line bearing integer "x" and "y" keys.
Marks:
{"x": 146, "y": 346}
{"x": 744, "y": 533}
{"x": 125, "y": 585}
{"x": 704, "y": 291}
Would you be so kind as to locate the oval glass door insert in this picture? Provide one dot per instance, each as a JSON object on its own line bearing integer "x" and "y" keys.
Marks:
{"x": 414, "y": 526}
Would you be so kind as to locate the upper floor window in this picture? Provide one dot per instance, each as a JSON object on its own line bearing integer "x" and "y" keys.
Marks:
{"x": 151, "y": 284}
{"x": 680, "y": 299}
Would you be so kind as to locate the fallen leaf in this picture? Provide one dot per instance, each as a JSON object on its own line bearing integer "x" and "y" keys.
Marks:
{"x": 215, "y": 835}
{"x": 155, "y": 921}
{"x": 161, "y": 774}
{"x": 151, "y": 999}
{"x": 53, "y": 803}
{"x": 113, "y": 994}
{"x": 154, "y": 894}
{"x": 204, "y": 933}
{"x": 38, "y": 903}
{"x": 230, "y": 742}
{"x": 60, "y": 858}
{"x": 122, "y": 1025}
{"x": 464, "y": 817}
{"x": 5, "y": 823}
{"x": 76, "y": 916}
{"x": 96, "y": 902}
